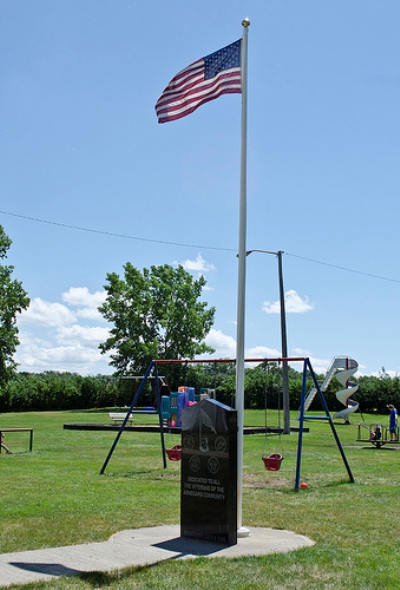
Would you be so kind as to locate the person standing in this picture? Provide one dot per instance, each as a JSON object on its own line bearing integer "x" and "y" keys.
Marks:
{"x": 393, "y": 418}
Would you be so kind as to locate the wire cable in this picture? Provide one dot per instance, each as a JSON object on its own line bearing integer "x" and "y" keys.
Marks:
{"x": 186, "y": 245}
{"x": 116, "y": 235}
{"x": 352, "y": 270}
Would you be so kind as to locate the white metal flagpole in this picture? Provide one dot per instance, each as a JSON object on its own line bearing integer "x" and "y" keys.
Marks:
{"x": 240, "y": 354}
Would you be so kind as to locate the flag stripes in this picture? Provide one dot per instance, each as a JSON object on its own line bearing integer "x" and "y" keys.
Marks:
{"x": 203, "y": 80}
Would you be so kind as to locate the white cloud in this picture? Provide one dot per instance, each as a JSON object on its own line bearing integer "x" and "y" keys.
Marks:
{"x": 90, "y": 313}
{"x": 262, "y": 352}
{"x": 43, "y": 313}
{"x": 37, "y": 355}
{"x": 199, "y": 265}
{"x": 293, "y": 304}
{"x": 81, "y": 297}
{"x": 86, "y": 302}
{"x": 76, "y": 335}
{"x": 320, "y": 366}
{"x": 225, "y": 346}
{"x": 53, "y": 337}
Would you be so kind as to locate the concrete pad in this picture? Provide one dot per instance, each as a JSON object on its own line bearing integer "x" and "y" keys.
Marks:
{"x": 139, "y": 547}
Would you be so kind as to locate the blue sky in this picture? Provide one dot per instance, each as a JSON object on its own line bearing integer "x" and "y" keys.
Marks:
{"x": 89, "y": 180}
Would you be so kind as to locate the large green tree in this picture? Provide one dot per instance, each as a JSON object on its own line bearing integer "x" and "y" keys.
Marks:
{"x": 157, "y": 314}
{"x": 13, "y": 299}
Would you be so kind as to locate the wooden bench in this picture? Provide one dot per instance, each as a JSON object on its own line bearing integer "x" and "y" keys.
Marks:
{"x": 30, "y": 430}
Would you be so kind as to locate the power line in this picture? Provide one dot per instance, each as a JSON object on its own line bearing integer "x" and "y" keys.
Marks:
{"x": 184, "y": 245}
{"x": 116, "y": 235}
{"x": 352, "y": 270}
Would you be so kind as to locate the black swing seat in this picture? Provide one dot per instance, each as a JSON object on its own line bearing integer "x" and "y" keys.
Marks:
{"x": 273, "y": 462}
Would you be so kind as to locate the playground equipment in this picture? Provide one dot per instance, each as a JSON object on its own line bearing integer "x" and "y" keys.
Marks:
{"x": 152, "y": 370}
{"x": 327, "y": 417}
{"x": 342, "y": 368}
{"x": 173, "y": 404}
{"x": 272, "y": 461}
{"x": 171, "y": 410}
{"x": 174, "y": 454}
{"x": 171, "y": 413}
{"x": 376, "y": 434}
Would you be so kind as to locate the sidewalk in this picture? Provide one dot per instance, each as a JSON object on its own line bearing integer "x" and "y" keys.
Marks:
{"x": 136, "y": 548}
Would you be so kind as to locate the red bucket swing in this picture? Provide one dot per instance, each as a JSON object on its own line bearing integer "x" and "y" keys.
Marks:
{"x": 273, "y": 461}
{"x": 174, "y": 454}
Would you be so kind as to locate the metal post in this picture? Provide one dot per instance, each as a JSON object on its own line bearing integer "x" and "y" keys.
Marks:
{"x": 285, "y": 366}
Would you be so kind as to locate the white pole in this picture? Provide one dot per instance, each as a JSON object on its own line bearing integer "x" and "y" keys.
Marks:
{"x": 240, "y": 355}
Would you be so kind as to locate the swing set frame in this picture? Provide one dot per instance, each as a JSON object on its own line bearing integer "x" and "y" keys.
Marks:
{"x": 152, "y": 371}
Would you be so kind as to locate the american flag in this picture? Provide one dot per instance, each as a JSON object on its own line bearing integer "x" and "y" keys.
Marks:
{"x": 205, "y": 79}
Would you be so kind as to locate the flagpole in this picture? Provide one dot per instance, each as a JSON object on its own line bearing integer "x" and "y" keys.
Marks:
{"x": 240, "y": 352}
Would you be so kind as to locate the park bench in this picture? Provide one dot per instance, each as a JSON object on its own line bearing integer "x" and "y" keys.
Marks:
{"x": 119, "y": 417}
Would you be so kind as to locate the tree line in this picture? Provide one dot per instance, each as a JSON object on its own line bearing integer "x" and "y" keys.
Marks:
{"x": 52, "y": 391}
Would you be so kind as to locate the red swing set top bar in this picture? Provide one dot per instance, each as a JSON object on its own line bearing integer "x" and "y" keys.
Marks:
{"x": 250, "y": 360}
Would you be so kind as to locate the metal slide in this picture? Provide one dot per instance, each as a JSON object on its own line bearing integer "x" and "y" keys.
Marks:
{"x": 342, "y": 368}
{"x": 343, "y": 395}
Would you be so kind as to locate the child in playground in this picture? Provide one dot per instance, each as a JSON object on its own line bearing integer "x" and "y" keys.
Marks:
{"x": 393, "y": 422}
{"x": 2, "y": 445}
{"x": 376, "y": 434}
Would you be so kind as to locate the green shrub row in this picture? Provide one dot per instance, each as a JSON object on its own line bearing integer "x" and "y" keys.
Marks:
{"x": 263, "y": 389}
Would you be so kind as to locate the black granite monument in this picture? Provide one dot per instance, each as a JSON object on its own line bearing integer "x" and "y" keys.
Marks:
{"x": 209, "y": 472}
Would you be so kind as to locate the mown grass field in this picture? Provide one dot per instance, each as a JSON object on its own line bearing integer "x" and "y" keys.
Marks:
{"x": 55, "y": 496}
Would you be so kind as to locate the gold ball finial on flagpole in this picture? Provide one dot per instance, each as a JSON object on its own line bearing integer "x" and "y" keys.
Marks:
{"x": 245, "y": 22}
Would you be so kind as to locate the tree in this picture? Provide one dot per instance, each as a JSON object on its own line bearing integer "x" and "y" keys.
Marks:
{"x": 156, "y": 315}
{"x": 13, "y": 299}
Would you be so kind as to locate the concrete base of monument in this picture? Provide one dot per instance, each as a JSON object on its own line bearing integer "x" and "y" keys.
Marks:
{"x": 137, "y": 547}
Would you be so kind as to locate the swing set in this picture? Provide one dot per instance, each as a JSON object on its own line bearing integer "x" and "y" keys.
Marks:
{"x": 273, "y": 461}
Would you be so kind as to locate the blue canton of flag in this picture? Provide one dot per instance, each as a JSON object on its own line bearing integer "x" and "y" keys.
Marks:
{"x": 224, "y": 59}
{"x": 203, "y": 80}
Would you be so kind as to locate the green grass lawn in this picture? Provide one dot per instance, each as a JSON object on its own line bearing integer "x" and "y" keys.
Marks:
{"x": 55, "y": 496}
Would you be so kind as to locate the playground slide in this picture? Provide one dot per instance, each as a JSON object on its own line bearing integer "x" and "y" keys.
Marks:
{"x": 342, "y": 368}
{"x": 344, "y": 414}
{"x": 339, "y": 363}
{"x": 343, "y": 395}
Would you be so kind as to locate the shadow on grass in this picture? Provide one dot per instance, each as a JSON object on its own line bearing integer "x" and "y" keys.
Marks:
{"x": 105, "y": 579}
{"x": 96, "y": 579}
{"x": 50, "y": 569}
{"x": 374, "y": 448}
